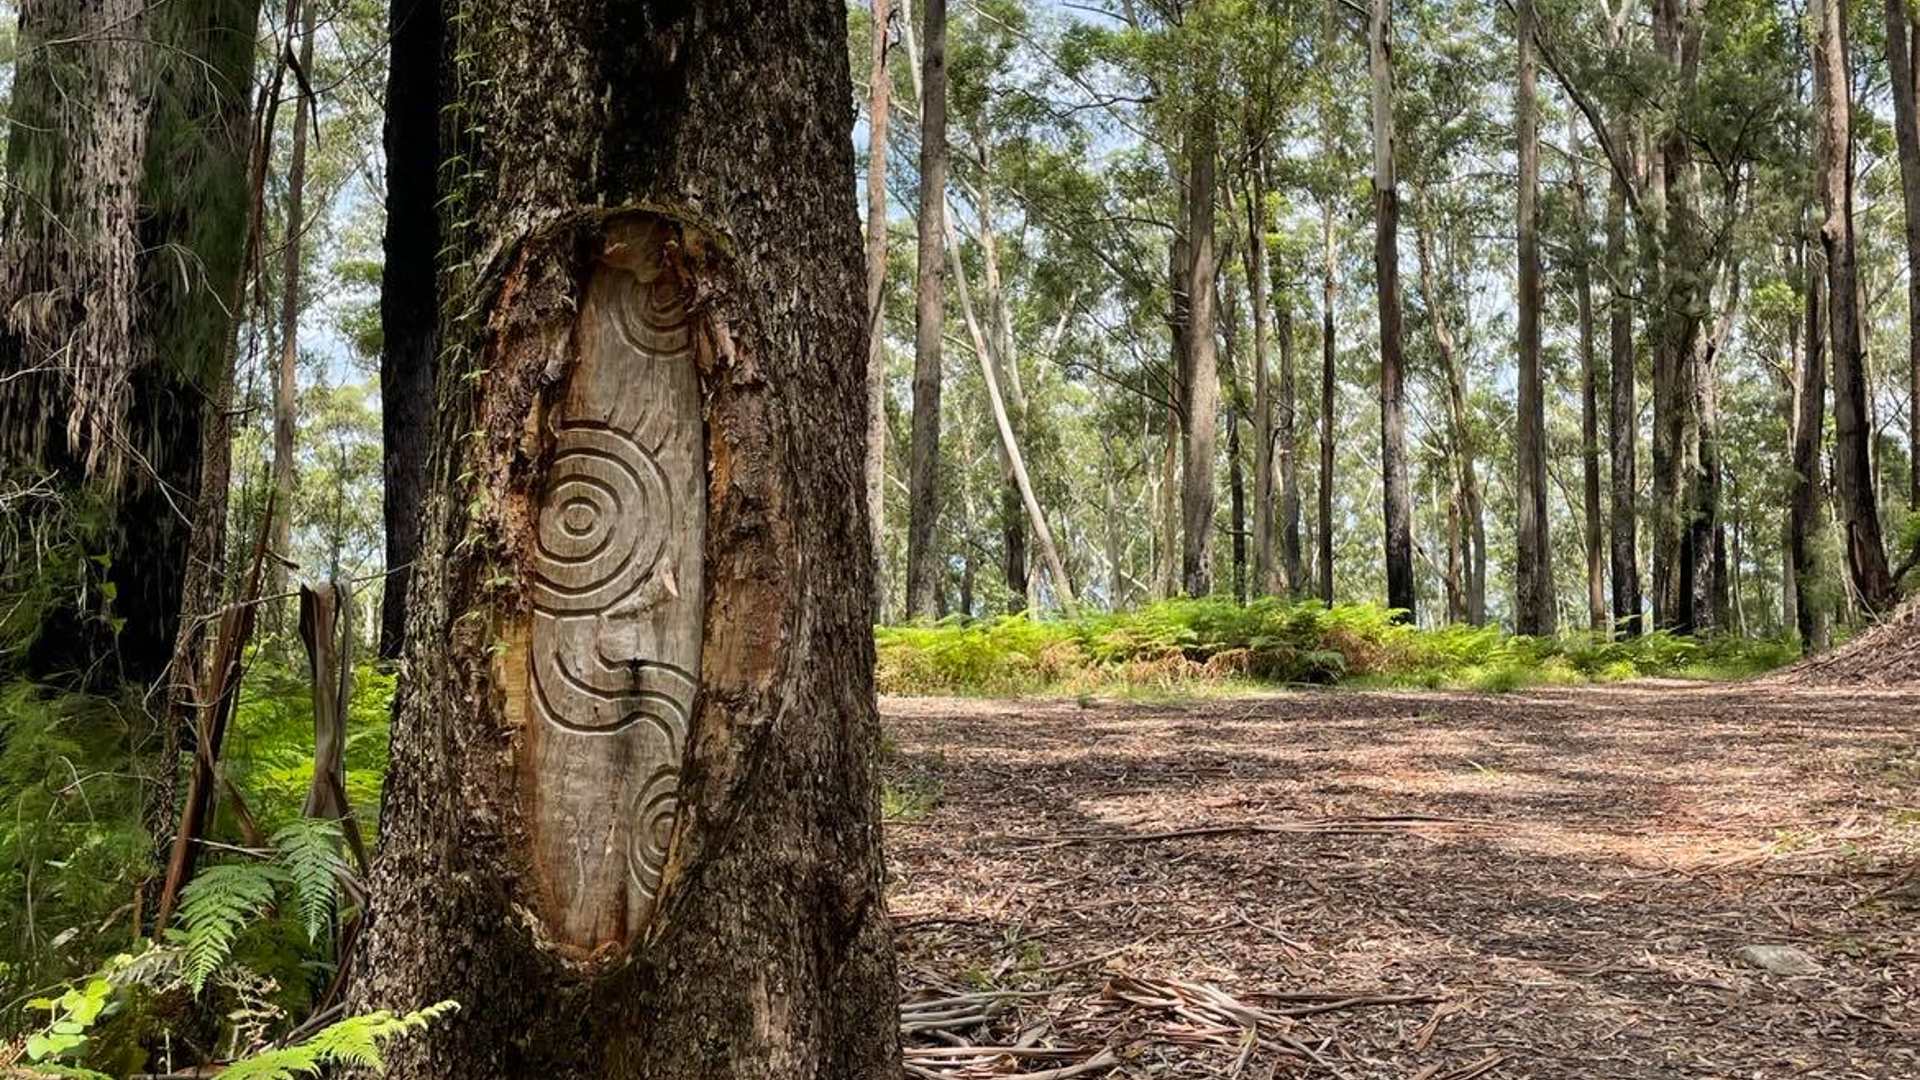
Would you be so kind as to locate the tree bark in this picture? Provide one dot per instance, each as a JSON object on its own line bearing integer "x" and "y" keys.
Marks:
{"x": 1865, "y": 550}
{"x": 1396, "y": 496}
{"x": 286, "y": 387}
{"x": 1592, "y": 529}
{"x": 879, "y": 102}
{"x": 1268, "y": 578}
{"x": 1327, "y": 392}
{"x": 409, "y": 294}
{"x": 923, "y": 508}
{"x": 1202, "y": 390}
{"x": 1459, "y": 428}
{"x": 1903, "y": 43}
{"x": 1534, "y": 609}
{"x": 1807, "y": 497}
{"x": 632, "y": 819}
{"x": 1623, "y": 413}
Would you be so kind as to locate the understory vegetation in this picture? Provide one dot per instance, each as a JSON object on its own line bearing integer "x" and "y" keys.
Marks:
{"x": 1191, "y": 644}
{"x": 253, "y": 945}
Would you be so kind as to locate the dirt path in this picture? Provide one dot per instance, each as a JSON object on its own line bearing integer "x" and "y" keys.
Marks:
{"x": 1544, "y": 884}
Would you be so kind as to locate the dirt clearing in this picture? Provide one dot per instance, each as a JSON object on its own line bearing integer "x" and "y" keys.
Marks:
{"x": 1588, "y": 882}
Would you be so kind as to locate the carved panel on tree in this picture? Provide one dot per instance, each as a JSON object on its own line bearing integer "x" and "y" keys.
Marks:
{"x": 603, "y": 677}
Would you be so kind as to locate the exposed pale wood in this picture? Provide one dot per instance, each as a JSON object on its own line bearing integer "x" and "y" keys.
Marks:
{"x": 602, "y": 675}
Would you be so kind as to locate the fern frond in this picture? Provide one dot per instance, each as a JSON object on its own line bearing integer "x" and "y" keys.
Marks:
{"x": 215, "y": 907}
{"x": 309, "y": 850}
{"x": 353, "y": 1042}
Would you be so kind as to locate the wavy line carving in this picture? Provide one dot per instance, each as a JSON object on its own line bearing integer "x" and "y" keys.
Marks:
{"x": 614, "y": 643}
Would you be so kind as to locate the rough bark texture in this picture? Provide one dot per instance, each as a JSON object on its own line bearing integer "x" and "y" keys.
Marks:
{"x": 409, "y": 294}
{"x": 1533, "y": 607}
{"x": 923, "y": 480}
{"x": 1623, "y": 416}
{"x": 1853, "y": 476}
{"x": 1903, "y": 38}
{"x": 879, "y": 108}
{"x": 1396, "y": 495}
{"x": 1807, "y": 496}
{"x": 129, "y": 147}
{"x": 765, "y": 952}
{"x": 1202, "y": 390}
{"x": 1268, "y": 579}
{"x": 1286, "y": 436}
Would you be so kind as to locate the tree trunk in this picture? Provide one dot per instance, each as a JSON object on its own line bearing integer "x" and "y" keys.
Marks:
{"x": 1268, "y": 579}
{"x": 923, "y": 509}
{"x": 1236, "y": 469}
{"x": 1327, "y": 389}
{"x": 879, "y": 102}
{"x": 1459, "y": 428}
{"x": 1396, "y": 496}
{"x": 1861, "y": 540}
{"x": 1534, "y": 608}
{"x": 1903, "y": 43}
{"x": 1623, "y": 413}
{"x": 1179, "y": 263}
{"x": 1807, "y": 496}
{"x": 1592, "y": 530}
{"x": 286, "y": 387}
{"x": 632, "y": 820}
{"x": 1202, "y": 390}
{"x": 409, "y": 294}
{"x": 1287, "y": 437}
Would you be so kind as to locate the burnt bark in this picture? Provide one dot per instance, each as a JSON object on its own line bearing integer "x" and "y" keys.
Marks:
{"x": 1592, "y": 529}
{"x": 766, "y": 952}
{"x": 1808, "y": 497}
{"x": 1396, "y": 493}
{"x": 409, "y": 294}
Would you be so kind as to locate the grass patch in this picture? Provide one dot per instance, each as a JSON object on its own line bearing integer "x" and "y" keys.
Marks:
{"x": 1189, "y": 647}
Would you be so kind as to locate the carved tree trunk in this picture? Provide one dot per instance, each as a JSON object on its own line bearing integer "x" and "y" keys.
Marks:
{"x": 1396, "y": 495}
{"x": 632, "y": 821}
{"x": 879, "y": 101}
{"x": 1534, "y": 610}
{"x": 923, "y": 480}
{"x": 1853, "y": 476}
{"x": 409, "y": 296}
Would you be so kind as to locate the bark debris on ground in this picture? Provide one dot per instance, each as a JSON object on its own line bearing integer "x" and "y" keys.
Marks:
{"x": 1421, "y": 886}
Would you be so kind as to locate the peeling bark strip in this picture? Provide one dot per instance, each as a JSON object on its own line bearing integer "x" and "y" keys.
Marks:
{"x": 603, "y": 683}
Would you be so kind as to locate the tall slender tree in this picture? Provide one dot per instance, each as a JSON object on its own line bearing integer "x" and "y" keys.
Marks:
{"x": 1903, "y": 48}
{"x": 923, "y": 482}
{"x": 1534, "y": 608}
{"x": 879, "y": 117}
{"x": 286, "y": 385}
{"x": 1202, "y": 390}
{"x": 1853, "y": 474}
{"x": 1397, "y": 495}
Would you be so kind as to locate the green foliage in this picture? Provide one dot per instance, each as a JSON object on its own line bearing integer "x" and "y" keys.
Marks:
{"x": 1189, "y": 642}
{"x": 351, "y": 1043}
{"x": 309, "y": 851}
{"x": 215, "y": 906}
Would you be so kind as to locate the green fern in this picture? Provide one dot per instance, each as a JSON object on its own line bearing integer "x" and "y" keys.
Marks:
{"x": 309, "y": 851}
{"x": 350, "y": 1043}
{"x": 216, "y": 906}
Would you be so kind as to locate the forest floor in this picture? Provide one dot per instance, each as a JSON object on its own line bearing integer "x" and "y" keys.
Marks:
{"x": 1423, "y": 886}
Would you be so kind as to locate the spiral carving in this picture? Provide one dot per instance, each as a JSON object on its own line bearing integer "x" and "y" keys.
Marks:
{"x": 613, "y": 648}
